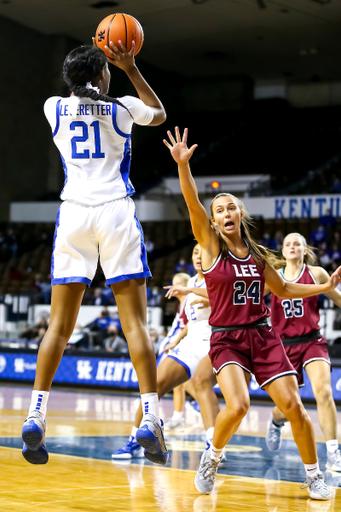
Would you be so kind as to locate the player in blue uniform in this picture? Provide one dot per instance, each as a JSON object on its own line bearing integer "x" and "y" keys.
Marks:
{"x": 97, "y": 219}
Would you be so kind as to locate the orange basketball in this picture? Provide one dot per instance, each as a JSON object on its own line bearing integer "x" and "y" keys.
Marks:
{"x": 119, "y": 27}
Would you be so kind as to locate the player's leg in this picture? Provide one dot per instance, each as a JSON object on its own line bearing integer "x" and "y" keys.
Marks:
{"x": 319, "y": 375}
{"x": 284, "y": 392}
{"x": 65, "y": 303}
{"x": 177, "y": 422}
{"x": 203, "y": 381}
{"x": 277, "y": 420}
{"x": 170, "y": 374}
{"x": 131, "y": 299}
{"x": 189, "y": 388}
{"x": 234, "y": 385}
{"x": 66, "y": 300}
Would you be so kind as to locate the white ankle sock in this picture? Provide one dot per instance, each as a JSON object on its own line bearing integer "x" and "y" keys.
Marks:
{"x": 177, "y": 416}
{"x": 209, "y": 434}
{"x": 216, "y": 452}
{"x": 312, "y": 469}
{"x": 133, "y": 432}
{"x": 39, "y": 401}
{"x": 332, "y": 445}
{"x": 150, "y": 404}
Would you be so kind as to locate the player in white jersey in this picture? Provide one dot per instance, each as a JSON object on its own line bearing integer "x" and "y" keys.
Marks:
{"x": 180, "y": 364}
{"x": 97, "y": 219}
{"x": 179, "y": 322}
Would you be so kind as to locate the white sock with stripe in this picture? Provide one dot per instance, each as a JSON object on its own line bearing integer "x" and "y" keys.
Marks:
{"x": 150, "y": 404}
{"x": 39, "y": 401}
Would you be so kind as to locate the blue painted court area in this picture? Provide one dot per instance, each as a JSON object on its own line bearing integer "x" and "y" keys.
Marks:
{"x": 245, "y": 455}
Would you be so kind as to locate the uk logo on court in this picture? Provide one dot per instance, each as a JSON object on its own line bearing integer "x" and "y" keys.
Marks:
{"x": 2, "y": 363}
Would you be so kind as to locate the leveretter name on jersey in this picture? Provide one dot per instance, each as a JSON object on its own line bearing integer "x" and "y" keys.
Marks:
{"x": 246, "y": 270}
{"x": 88, "y": 110}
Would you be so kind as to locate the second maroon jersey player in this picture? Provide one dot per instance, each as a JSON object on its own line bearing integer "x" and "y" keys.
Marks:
{"x": 296, "y": 317}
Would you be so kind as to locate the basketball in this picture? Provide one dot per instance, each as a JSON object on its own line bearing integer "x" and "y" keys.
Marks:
{"x": 119, "y": 27}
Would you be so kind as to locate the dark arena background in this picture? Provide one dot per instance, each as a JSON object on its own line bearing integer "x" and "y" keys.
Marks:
{"x": 258, "y": 84}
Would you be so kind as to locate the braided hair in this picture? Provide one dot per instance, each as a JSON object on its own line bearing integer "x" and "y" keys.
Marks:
{"x": 81, "y": 66}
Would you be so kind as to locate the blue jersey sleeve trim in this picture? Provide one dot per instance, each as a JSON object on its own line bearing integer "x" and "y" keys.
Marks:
{"x": 54, "y": 241}
{"x": 114, "y": 122}
{"x": 65, "y": 172}
{"x": 66, "y": 280}
{"x": 57, "y": 118}
{"x": 127, "y": 277}
{"x": 182, "y": 364}
{"x": 125, "y": 168}
{"x": 143, "y": 249}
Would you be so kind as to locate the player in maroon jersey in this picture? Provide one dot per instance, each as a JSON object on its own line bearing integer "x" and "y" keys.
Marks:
{"x": 236, "y": 269}
{"x": 297, "y": 323}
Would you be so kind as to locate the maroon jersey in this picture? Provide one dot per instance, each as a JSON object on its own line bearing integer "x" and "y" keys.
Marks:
{"x": 296, "y": 317}
{"x": 235, "y": 288}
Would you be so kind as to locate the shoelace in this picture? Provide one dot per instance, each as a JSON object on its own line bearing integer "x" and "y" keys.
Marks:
{"x": 274, "y": 434}
{"x": 317, "y": 480}
{"x": 209, "y": 469}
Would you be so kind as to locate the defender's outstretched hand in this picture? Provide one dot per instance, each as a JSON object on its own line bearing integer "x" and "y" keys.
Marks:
{"x": 175, "y": 290}
{"x": 335, "y": 279}
{"x": 179, "y": 150}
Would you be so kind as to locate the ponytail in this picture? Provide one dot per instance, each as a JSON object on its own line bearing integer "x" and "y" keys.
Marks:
{"x": 81, "y": 66}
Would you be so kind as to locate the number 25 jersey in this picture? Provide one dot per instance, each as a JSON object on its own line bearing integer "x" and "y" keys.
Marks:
{"x": 296, "y": 317}
{"x": 235, "y": 289}
{"x": 94, "y": 141}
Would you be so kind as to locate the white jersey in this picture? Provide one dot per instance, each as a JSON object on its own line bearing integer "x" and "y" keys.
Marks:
{"x": 94, "y": 141}
{"x": 179, "y": 323}
{"x": 197, "y": 318}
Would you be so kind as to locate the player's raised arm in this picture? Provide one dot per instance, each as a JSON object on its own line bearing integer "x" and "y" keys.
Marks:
{"x": 283, "y": 289}
{"x": 202, "y": 230}
{"x": 124, "y": 60}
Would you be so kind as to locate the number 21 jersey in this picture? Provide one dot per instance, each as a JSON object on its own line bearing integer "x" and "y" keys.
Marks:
{"x": 235, "y": 288}
{"x": 94, "y": 141}
{"x": 296, "y": 317}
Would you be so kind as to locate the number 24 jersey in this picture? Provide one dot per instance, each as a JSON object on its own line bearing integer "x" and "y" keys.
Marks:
{"x": 235, "y": 289}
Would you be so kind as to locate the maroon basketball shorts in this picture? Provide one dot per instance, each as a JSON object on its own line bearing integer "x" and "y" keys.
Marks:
{"x": 305, "y": 353}
{"x": 259, "y": 351}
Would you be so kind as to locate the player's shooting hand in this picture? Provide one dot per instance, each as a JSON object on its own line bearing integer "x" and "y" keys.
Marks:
{"x": 204, "y": 303}
{"x": 120, "y": 57}
{"x": 178, "y": 148}
{"x": 174, "y": 291}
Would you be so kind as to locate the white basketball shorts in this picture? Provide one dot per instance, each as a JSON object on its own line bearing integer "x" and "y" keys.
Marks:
{"x": 190, "y": 352}
{"x": 110, "y": 232}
